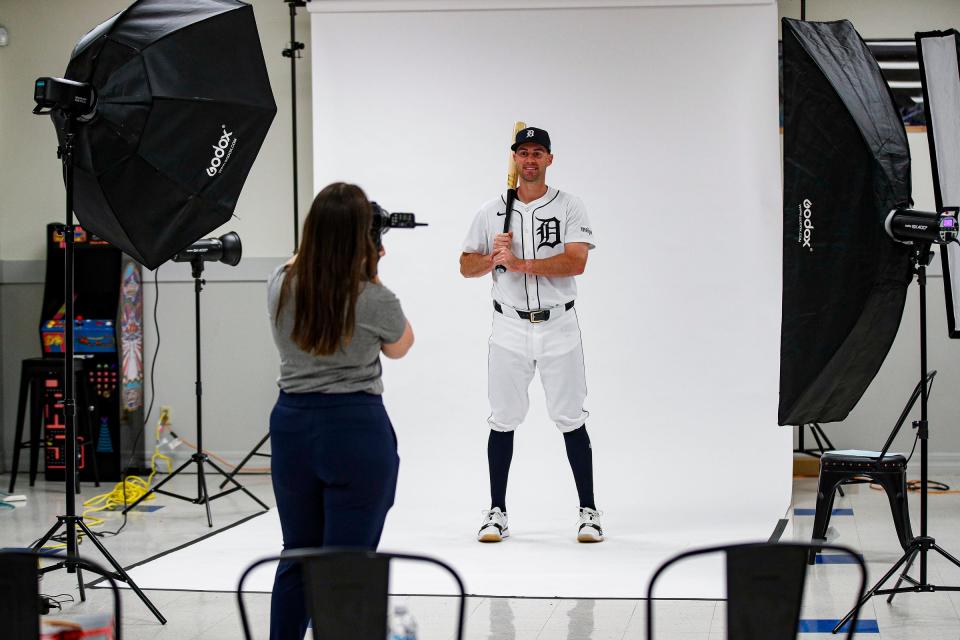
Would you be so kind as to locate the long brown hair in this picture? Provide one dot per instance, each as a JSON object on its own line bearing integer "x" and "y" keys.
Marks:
{"x": 336, "y": 255}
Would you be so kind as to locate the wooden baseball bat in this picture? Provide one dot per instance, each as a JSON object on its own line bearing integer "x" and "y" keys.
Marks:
{"x": 511, "y": 185}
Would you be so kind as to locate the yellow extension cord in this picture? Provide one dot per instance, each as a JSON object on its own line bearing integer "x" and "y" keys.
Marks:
{"x": 133, "y": 486}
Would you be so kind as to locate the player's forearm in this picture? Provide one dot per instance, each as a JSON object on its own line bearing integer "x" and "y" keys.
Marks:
{"x": 474, "y": 265}
{"x": 558, "y": 266}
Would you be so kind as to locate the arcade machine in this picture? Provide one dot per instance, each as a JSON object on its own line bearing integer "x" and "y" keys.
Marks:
{"x": 108, "y": 339}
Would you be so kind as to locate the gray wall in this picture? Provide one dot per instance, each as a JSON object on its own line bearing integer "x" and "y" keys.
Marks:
{"x": 880, "y": 18}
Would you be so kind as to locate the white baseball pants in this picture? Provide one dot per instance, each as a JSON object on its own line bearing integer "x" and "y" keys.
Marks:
{"x": 519, "y": 347}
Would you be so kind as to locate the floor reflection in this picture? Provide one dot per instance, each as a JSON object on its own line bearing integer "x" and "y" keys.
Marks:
{"x": 581, "y": 624}
{"x": 580, "y": 620}
{"x": 501, "y": 620}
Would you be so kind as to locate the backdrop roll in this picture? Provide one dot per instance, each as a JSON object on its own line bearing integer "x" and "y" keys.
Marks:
{"x": 663, "y": 120}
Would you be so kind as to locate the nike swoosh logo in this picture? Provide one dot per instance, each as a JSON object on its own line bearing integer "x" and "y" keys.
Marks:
{"x": 502, "y": 214}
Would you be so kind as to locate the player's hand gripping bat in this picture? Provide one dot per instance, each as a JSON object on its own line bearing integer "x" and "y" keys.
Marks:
{"x": 511, "y": 186}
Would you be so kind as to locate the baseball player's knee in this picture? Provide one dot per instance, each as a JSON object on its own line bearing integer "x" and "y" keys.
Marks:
{"x": 503, "y": 429}
{"x": 567, "y": 423}
{"x": 507, "y": 411}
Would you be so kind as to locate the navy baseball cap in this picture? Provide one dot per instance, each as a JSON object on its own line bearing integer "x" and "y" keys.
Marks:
{"x": 531, "y": 134}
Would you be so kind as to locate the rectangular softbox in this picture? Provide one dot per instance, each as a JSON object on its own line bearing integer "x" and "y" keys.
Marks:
{"x": 938, "y": 52}
{"x": 846, "y": 164}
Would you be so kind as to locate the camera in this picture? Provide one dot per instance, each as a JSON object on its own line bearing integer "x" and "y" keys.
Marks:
{"x": 383, "y": 221}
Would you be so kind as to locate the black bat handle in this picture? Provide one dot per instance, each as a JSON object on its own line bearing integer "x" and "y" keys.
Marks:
{"x": 511, "y": 196}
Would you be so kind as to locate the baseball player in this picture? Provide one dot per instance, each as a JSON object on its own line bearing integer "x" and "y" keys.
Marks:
{"x": 534, "y": 323}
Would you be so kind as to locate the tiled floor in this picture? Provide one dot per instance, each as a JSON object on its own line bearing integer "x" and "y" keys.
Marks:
{"x": 213, "y": 616}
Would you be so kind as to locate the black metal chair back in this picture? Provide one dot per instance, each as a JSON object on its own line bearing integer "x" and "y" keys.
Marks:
{"x": 764, "y": 585}
{"x": 20, "y": 593}
{"x": 347, "y": 590}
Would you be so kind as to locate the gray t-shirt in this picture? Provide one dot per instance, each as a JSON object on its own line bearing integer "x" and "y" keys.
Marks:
{"x": 353, "y": 368}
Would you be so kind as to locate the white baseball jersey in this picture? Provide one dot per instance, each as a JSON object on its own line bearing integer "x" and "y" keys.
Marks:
{"x": 519, "y": 347}
{"x": 540, "y": 229}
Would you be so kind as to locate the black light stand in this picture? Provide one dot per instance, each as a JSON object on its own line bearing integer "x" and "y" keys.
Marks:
{"x": 293, "y": 52}
{"x": 71, "y": 522}
{"x": 253, "y": 452}
{"x": 199, "y": 458}
{"x": 920, "y": 545}
{"x": 819, "y": 435}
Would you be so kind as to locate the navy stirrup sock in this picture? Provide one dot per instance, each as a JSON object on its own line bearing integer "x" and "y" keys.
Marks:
{"x": 580, "y": 455}
{"x": 499, "y": 455}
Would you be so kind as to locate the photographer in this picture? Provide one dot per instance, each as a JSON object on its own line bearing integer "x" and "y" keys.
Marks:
{"x": 334, "y": 449}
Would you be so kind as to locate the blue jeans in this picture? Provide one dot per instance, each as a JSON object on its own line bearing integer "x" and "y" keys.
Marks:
{"x": 334, "y": 476}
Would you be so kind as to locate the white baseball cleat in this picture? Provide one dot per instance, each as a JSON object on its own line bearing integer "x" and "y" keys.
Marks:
{"x": 494, "y": 526}
{"x": 589, "y": 529}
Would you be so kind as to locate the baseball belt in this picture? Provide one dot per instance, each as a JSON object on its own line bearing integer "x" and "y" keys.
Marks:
{"x": 536, "y": 315}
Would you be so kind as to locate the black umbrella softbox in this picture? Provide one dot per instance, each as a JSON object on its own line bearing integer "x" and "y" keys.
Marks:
{"x": 846, "y": 165}
{"x": 183, "y": 105}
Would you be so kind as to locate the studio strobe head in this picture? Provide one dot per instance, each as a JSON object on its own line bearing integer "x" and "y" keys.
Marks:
{"x": 910, "y": 226}
{"x": 226, "y": 249}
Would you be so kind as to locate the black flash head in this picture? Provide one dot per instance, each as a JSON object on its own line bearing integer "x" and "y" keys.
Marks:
{"x": 383, "y": 221}
{"x": 225, "y": 249}
{"x": 909, "y": 226}
{"x": 78, "y": 98}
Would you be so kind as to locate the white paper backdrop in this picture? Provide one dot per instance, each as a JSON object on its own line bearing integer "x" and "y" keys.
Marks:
{"x": 664, "y": 120}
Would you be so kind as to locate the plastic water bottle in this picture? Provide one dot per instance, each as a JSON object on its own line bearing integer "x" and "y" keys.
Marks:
{"x": 402, "y": 626}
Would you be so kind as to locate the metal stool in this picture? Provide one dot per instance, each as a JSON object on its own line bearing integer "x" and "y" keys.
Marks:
{"x": 889, "y": 470}
{"x": 32, "y": 373}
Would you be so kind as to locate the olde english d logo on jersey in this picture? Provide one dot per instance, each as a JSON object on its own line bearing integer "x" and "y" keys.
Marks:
{"x": 548, "y": 232}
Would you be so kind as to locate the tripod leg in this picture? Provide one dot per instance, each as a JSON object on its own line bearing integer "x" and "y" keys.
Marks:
{"x": 245, "y": 460}
{"x": 202, "y": 489}
{"x": 239, "y": 486}
{"x": 946, "y": 555}
{"x": 160, "y": 484}
{"x": 46, "y": 537}
{"x": 906, "y": 570}
{"x": 83, "y": 593}
{"x": 121, "y": 574}
{"x": 816, "y": 437}
{"x": 823, "y": 434}
{"x": 874, "y": 589}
